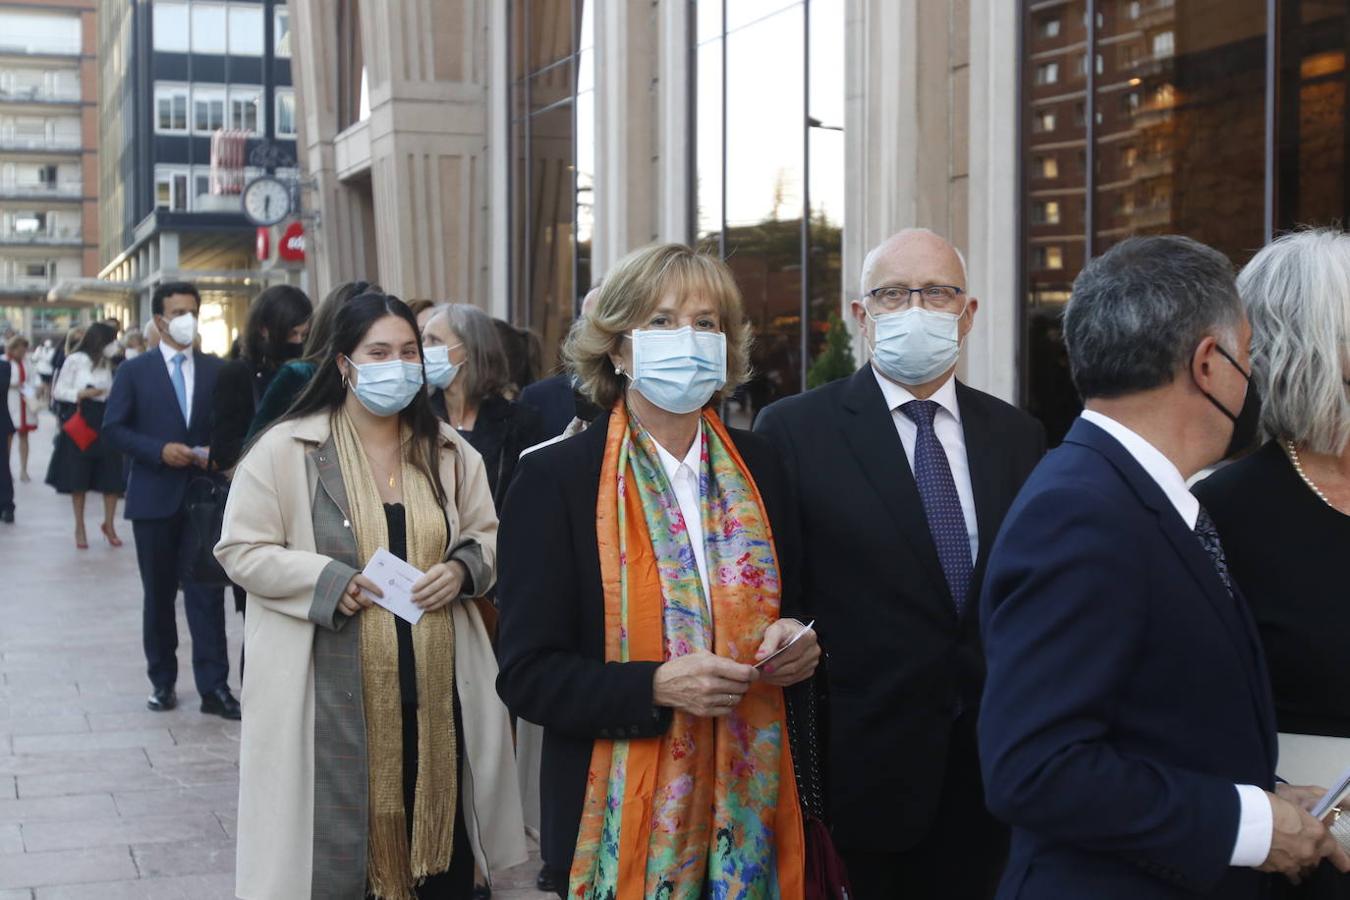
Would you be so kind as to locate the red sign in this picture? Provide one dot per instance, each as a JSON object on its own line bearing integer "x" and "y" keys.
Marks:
{"x": 292, "y": 244}
{"x": 264, "y": 243}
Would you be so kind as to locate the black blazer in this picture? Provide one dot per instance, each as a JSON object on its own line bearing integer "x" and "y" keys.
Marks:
{"x": 502, "y": 431}
{"x": 555, "y": 401}
{"x": 901, "y": 664}
{"x": 1127, "y": 693}
{"x": 551, "y": 636}
{"x": 6, "y": 423}
{"x": 239, "y": 388}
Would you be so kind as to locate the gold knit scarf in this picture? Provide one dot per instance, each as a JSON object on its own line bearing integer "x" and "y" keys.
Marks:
{"x": 394, "y": 869}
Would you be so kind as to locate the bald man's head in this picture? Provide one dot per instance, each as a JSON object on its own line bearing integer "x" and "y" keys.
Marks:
{"x": 914, "y": 250}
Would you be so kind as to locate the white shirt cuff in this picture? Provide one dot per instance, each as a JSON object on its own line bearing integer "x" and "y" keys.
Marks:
{"x": 1256, "y": 827}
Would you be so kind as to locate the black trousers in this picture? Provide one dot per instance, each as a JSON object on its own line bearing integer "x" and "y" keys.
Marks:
{"x": 963, "y": 854}
{"x": 6, "y": 481}
{"x": 161, "y": 554}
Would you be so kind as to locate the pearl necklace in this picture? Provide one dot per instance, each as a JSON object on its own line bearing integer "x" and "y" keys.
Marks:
{"x": 1298, "y": 467}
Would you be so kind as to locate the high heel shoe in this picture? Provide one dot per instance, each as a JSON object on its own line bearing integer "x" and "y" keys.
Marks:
{"x": 110, "y": 535}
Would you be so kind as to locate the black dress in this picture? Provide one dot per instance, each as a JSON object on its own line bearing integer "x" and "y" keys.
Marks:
{"x": 98, "y": 468}
{"x": 456, "y": 883}
{"x": 1285, "y": 547}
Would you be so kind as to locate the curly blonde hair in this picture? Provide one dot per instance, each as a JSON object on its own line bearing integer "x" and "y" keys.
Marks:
{"x": 631, "y": 292}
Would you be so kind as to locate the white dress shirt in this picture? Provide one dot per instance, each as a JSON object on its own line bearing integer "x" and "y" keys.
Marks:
{"x": 947, "y": 425}
{"x": 1256, "y": 824}
{"x": 79, "y": 372}
{"x": 683, "y": 475}
{"x": 189, "y": 370}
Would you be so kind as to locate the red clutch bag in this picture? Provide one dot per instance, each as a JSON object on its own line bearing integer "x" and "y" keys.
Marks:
{"x": 78, "y": 430}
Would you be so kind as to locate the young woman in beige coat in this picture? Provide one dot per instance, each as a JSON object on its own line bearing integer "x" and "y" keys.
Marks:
{"x": 375, "y": 756}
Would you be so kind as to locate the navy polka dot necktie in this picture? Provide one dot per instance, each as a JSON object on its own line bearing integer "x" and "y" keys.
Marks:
{"x": 1209, "y": 539}
{"x": 941, "y": 502}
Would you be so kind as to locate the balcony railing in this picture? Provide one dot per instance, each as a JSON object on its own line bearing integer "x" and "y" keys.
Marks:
{"x": 43, "y": 144}
{"x": 62, "y": 189}
{"x": 55, "y": 236}
{"x": 36, "y": 94}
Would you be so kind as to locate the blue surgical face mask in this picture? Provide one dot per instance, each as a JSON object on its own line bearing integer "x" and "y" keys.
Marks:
{"x": 915, "y": 346}
{"x": 679, "y": 370}
{"x": 440, "y": 370}
{"x": 386, "y": 388}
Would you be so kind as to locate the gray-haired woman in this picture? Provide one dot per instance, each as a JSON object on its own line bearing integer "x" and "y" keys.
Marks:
{"x": 467, "y": 366}
{"x": 1284, "y": 511}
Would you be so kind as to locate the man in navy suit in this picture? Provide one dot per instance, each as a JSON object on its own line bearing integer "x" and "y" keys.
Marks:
{"x": 1127, "y": 733}
{"x": 159, "y": 415}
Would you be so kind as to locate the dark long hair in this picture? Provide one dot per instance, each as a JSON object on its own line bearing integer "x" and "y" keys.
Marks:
{"x": 274, "y": 314}
{"x": 321, "y": 327}
{"x": 327, "y": 393}
{"x": 96, "y": 337}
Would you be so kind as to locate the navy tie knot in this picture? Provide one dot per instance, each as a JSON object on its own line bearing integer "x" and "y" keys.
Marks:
{"x": 921, "y": 412}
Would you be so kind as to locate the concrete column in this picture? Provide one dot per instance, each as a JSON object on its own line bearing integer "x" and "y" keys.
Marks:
{"x": 168, "y": 252}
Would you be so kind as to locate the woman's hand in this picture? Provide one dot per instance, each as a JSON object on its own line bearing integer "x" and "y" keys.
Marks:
{"x": 798, "y": 662}
{"x": 353, "y": 599}
{"x": 89, "y": 393}
{"x": 442, "y": 583}
{"x": 702, "y": 684}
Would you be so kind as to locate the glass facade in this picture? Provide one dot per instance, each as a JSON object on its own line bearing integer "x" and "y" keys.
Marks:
{"x": 552, "y": 104}
{"x": 1183, "y": 122}
{"x": 769, "y": 113}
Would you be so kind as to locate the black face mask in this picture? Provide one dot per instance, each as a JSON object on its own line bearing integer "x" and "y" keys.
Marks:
{"x": 1247, "y": 421}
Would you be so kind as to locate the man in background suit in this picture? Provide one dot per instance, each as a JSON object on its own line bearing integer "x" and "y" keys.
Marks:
{"x": 903, "y": 475}
{"x": 159, "y": 415}
{"x": 1128, "y": 733}
{"x": 6, "y": 431}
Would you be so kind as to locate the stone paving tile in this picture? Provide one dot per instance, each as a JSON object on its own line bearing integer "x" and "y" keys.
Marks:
{"x": 98, "y": 740}
{"x": 191, "y": 887}
{"x": 11, "y": 840}
{"x": 58, "y": 809}
{"x": 209, "y": 857}
{"x": 40, "y": 836}
{"x": 210, "y": 798}
{"x": 146, "y": 779}
{"x": 188, "y": 754}
{"x": 66, "y": 867}
{"x": 60, "y": 724}
{"x": 120, "y": 760}
{"x": 20, "y": 894}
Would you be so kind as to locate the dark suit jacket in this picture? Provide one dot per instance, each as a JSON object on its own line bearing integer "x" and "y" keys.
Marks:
{"x": 502, "y": 431}
{"x": 551, "y": 636}
{"x": 143, "y": 415}
{"x": 6, "y": 423}
{"x": 1127, "y": 693}
{"x": 240, "y": 386}
{"x": 555, "y": 402}
{"x": 901, "y": 664}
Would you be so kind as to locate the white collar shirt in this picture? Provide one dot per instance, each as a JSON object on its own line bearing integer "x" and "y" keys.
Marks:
{"x": 189, "y": 371}
{"x": 684, "y": 480}
{"x": 947, "y": 426}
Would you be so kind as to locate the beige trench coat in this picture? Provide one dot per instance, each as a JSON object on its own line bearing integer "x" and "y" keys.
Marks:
{"x": 287, "y": 541}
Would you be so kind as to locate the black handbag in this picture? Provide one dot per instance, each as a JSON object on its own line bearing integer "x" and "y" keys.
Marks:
{"x": 205, "y": 506}
{"x": 826, "y": 875}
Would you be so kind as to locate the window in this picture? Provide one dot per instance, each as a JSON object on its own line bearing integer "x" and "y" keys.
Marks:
{"x": 208, "y": 28}
{"x": 1047, "y": 73}
{"x": 281, "y": 32}
{"x": 1045, "y": 121}
{"x": 1163, "y": 45}
{"x": 171, "y": 188}
{"x": 201, "y": 183}
{"x": 29, "y": 32}
{"x": 1045, "y": 212}
{"x": 246, "y": 30}
{"x": 244, "y": 104}
{"x": 286, "y": 113}
{"x": 40, "y": 269}
{"x": 1049, "y": 28}
{"x": 170, "y": 26}
{"x": 1048, "y": 166}
{"x": 1048, "y": 258}
{"x": 208, "y": 109}
{"x": 1135, "y": 9}
{"x": 1129, "y": 102}
{"x": 171, "y": 103}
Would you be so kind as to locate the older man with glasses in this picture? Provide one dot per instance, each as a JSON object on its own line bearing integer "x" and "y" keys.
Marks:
{"x": 903, "y": 477}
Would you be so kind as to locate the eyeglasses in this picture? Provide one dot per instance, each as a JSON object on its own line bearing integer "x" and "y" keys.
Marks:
{"x": 944, "y": 298}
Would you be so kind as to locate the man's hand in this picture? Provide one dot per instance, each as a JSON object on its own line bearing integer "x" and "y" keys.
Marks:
{"x": 797, "y": 663}
{"x": 179, "y": 456}
{"x": 1299, "y": 842}
{"x": 702, "y": 684}
{"x": 353, "y": 599}
{"x": 442, "y": 583}
{"x": 1304, "y": 796}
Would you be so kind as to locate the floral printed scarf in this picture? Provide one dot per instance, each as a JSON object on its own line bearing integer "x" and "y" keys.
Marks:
{"x": 709, "y": 809}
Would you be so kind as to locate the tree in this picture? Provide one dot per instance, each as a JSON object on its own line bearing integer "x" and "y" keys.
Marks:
{"x": 837, "y": 360}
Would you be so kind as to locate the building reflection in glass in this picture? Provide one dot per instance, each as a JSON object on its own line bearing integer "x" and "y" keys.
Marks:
{"x": 1177, "y": 129}
{"x": 765, "y": 156}
{"x": 552, "y": 164}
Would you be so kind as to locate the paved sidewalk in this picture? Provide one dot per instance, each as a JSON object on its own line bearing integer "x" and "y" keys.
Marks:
{"x": 101, "y": 799}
